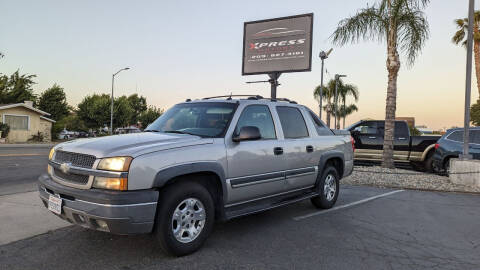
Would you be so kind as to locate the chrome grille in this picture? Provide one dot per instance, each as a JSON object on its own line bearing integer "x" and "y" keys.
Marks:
{"x": 76, "y": 159}
{"x": 72, "y": 178}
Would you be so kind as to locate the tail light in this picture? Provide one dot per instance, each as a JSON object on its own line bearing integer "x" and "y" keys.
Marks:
{"x": 353, "y": 143}
{"x": 436, "y": 146}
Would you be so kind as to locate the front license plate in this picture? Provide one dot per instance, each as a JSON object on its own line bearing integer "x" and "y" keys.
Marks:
{"x": 55, "y": 204}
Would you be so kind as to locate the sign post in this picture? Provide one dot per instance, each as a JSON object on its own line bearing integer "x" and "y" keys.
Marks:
{"x": 277, "y": 46}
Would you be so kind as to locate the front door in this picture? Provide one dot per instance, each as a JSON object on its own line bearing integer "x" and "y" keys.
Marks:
{"x": 255, "y": 168}
{"x": 368, "y": 141}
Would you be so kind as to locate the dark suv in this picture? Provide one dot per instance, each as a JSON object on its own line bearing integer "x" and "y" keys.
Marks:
{"x": 451, "y": 146}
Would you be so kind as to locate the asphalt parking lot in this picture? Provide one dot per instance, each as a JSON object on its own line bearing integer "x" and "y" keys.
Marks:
{"x": 401, "y": 230}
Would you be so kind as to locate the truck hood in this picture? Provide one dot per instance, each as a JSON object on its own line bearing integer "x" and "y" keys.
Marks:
{"x": 133, "y": 145}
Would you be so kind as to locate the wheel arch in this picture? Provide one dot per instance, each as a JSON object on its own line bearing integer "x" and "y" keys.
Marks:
{"x": 430, "y": 150}
{"x": 336, "y": 158}
{"x": 209, "y": 174}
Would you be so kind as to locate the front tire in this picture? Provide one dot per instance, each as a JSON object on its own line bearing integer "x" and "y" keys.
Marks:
{"x": 428, "y": 163}
{"x": 328, "y": 189}
{"x": 185, "y": 218}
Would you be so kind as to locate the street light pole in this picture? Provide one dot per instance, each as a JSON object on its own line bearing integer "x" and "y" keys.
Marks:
{"x": 337, "y": 77}
{"x": 111, "y": 99}
{"x": 323, "y": 55}
{"x": 468, "y": 83}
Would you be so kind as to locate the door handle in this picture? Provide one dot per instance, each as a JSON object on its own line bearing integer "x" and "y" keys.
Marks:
{"x": 372, "y": 137}
{"x": 278, "y": 151}
{"x": 402, "y": 138}
{"x": 309, "y": 148}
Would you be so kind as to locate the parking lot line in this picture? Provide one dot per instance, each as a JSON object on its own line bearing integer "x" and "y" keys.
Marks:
{"x": 346, "y": 205}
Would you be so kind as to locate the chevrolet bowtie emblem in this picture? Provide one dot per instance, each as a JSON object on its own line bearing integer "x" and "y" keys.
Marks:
{"x": 65, "y": 167}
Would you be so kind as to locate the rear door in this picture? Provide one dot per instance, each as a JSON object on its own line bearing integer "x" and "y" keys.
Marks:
{"x": 475, "y": 145}
{"x": 299, "y": 148}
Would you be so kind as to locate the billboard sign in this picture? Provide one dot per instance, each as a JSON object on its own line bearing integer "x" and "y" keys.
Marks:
{"x": 278, "y": 45}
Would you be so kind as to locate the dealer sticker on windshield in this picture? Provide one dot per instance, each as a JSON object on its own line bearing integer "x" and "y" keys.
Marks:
{"x": 55, "y": 204}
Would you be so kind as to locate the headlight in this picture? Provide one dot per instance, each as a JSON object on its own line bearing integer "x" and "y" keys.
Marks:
{"x": 118, "y": 164}
{"x": 52, "y": 151}
{"x": 110, "y": 183}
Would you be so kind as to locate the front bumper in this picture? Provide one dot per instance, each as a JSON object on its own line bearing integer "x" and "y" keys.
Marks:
{"x": 124, "y": 212}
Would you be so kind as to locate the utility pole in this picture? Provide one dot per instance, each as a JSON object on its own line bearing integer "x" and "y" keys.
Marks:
{"x": 335, "y": 105}
{"x": 111, "y": 100}
{"x": 323, "y": 55}
{"x": 468, "y": 83}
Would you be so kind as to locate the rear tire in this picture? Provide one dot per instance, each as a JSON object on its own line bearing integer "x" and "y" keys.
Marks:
{"x": 185, "y": 218}
{"x": 328, "y": 188}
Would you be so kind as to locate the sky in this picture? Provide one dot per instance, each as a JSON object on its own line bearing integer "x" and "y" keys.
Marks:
{"x": 193, "y": 49}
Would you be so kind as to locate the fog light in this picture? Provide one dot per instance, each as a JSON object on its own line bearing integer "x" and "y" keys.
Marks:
{"x": 102, "y": 225}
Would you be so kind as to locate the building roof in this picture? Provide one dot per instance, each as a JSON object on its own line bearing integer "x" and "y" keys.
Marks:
{"x": 47, "y": 119}
{"x": 8, "y": 106}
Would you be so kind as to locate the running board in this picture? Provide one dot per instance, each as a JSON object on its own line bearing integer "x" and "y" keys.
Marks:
{"x": 267, "y": 204}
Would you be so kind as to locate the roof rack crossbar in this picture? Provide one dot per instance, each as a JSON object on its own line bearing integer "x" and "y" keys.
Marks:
{"x": 230, "y": 96}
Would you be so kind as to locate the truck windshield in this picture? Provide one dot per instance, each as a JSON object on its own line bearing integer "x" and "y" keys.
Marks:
{"x": 209, "y": 119}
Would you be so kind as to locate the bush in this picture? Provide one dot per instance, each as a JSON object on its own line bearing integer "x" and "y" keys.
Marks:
{"x": 37, "y": 138}
{"x": 5, "y": 129}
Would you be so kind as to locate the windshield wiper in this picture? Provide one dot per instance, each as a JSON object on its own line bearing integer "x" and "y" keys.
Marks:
{"x": 180, "y": 132}
{"x": 151, "y": 130}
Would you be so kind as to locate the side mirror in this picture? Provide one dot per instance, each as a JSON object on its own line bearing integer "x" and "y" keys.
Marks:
{"x": 247, "y": 133}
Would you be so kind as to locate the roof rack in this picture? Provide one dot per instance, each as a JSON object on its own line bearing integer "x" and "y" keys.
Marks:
{"x": 283, "y": 99}
{"x": 229, "y": 97}
{"x": 251, "y": 97}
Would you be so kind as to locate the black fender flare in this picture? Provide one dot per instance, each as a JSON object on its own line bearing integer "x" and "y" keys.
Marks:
{"x": 165, "y": 175}
{"x": 324, "y": 159}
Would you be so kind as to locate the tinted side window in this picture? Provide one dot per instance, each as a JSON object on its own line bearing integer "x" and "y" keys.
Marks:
{"x": 258, "y": 116}
{"x": 365, "y": 128}
{"x": 456, "y": 136}
{"x": 475, "y": 137}
{"x": 319, "y": 125}
{"x": 401, "y": 130}
{"x": 292, "y": 121}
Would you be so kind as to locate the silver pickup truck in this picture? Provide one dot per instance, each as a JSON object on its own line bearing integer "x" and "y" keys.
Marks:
{"x": 201, "y": 161}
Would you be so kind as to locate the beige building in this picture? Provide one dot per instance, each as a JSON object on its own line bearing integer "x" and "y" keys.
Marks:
{"x": 25, "y": 121}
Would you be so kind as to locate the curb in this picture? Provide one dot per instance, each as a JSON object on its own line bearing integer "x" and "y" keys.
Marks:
{"x": 27, "y": 145}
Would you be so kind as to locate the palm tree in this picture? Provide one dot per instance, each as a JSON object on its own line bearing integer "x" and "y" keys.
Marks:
{"x": 402, "y": 25}
{"x": 345, "y": 90}
{"x": 345, "y": 111}
{"x": 461, "y": 37}
{"x": 327, "y": 95}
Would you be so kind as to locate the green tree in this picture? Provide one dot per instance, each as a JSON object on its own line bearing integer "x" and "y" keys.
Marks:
{"x": 122, "y": 112}
{"x": 54, "y": 101}
{"x": 402, "y": 25}
{"x": 138, "y": 105}
{"x": 70, "y": 122}
{"x": 149, "y": 115}
{"x": 17, "y": 88}
{"x": 475, "y": 113}
{"x": 94, "y": 110}
{"x": 461, "y": 37}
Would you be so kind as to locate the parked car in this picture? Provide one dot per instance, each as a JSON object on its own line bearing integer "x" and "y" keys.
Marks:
{"x": 450, "y": 146}
{"x": 65, "y": 135}
{"x": 201, "y": 161}
{"x": 369, "y": 134}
